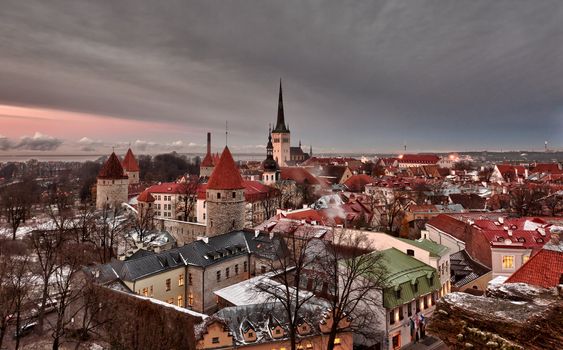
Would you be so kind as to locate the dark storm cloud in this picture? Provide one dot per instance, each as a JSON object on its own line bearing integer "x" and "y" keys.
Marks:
{"x": 360, "y": 75}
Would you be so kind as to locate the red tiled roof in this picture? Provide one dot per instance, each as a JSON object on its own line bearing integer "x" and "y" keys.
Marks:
{"x": 299, "y": 175}
{"x": 167, "y": 187}
{"x": 551, "y": 168}
{"x": 511, "y": 169}
{"x": 207, "y": 161}
{"x": 129, "y": 162}
{"x": 226, "y": 175}
{"x": 448, "y": 224}
{"x": 146, "y": 197}
{"x": 357, "y": 183}
{"x": 112, "y": 169}
{"x": 543, "y": 269}
{"x": 419, "y": 158}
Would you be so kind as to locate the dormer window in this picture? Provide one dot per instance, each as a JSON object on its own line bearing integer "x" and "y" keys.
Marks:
{"x": 218, "y": 195}
{"x": 398, "y": 294}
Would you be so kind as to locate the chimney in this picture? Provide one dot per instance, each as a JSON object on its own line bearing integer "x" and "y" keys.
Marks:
{"x": 208, "y": 143}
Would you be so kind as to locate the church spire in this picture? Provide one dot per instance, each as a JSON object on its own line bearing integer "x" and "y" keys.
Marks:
{"x": 280, "y": 123}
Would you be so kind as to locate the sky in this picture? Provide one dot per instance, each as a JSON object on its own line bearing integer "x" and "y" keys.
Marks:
{"x": 358, "y": 76}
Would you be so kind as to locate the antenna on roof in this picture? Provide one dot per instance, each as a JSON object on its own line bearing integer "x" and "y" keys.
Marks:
{"x": 112, "y": 149}
{"x": 226, "y": 132}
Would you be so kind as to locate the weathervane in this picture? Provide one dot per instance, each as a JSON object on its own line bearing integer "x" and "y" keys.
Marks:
{"x": 226, "y": 133}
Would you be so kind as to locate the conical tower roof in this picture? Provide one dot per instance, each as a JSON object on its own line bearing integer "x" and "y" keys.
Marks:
{"x": 226, "y": 175}
{"x": 112, "y": 169}
{"x": 129, "y": 162}
{"x": 280, "y": 122}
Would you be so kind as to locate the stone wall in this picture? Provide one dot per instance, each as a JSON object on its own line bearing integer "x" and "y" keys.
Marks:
{"x": 225, "y": 213}
{"x": 112, "y": 192}
{"x": 183, "y": 232}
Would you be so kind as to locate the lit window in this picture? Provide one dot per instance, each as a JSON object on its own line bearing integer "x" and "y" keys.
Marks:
{"x": 525, "y": 258}
{"x": 190, "y": 299}
{"x": 146, "y": 292}
{"x": 337, "y": 341}
{"x": 181, "y": 280}
{"x": 508, "y": 262}
{"x": 180, "y": 301}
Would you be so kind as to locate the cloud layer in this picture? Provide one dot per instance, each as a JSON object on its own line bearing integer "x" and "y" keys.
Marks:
{"x": 357, "y": 75}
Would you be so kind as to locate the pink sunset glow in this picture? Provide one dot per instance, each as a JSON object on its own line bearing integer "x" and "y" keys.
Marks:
{"x": 17, "y": 121}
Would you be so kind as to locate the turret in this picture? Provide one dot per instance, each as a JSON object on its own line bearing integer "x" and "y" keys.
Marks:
{"x": 112, "y": 184}
{"x": 225, "y": 197}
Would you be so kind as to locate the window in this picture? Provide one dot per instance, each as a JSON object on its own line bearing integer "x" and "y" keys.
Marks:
{"x": 398, "y": 294}
{"x": 189, "y": 278}
{"x": 245, "y": 266}
{"x": 151, "y": 290}
{"x": 525, "y": 258}
{"x": 337, "y": 341}
{"x": 180, "y": 301}
{"x": 181, "y": 280}
{"x": 171, "y": 301}
{"x": 203, "y": 216}
{"x": 215, "y": 340}
{"x": 227, "y": 272}
{"x": 396, "y": 341}
{"x": 190, "y": 299}
{"x": 409, "y": 309}
{"x": 236, "y": 269}
{"x": 168, "y": 284}
{"x": 234, "y": 194}
{"x": 263, "y": 269}
{"x": 415, "y": 287}
{"x": 401, "y": 312}
{"x": 218, "y": 195}
{"x": 218, "y": 276}
{"x": 410, "y": 252}
{"x": 508, "y": 262}
{"x": 146, "y": 292}
{"x": 392, "y": 317}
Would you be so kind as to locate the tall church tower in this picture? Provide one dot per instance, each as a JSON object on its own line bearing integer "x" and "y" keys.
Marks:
{"x": 280, "y": 134}
{"x": 225, "y": 197}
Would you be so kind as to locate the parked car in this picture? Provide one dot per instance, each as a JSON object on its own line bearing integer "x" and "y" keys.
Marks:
{"x": 25, "y": 329}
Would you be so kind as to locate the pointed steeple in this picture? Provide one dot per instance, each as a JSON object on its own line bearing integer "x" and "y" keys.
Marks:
{"x": 280, "y": 123}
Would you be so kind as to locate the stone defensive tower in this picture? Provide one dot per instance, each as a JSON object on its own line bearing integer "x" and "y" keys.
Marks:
{"x": 225, "y": 197}
{"x": 112, "y": 184}
{"x": 281, "y": 135}
{"x": 131, "y": 167}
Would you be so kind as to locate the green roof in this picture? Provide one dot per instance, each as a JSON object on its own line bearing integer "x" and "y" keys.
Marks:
{"x": 436, "y": 250}
{"x": 403, "y": 272}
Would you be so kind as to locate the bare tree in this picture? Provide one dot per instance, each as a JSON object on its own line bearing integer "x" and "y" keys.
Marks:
{"x": 525, "y": 200}
{"x": 355, "y": 277}
{"x": 69, "y": 264}
{"x": 186, "y": 203}
{"x": 46, "y": 246}
{"x": 109, "y": 230}
{"x": 16, "y": 201}
{"x": 289, "y": 266}
{"x": 15, "y": 284}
